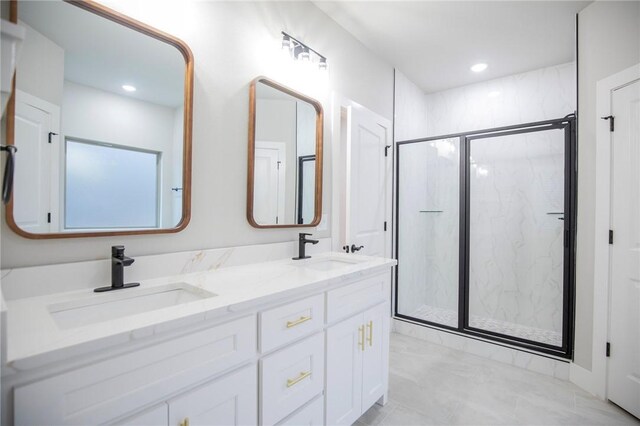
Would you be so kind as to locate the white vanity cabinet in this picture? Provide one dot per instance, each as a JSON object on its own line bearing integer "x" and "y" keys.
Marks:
{"x": 357, "y": 364}
{"x": 317, "y": 357}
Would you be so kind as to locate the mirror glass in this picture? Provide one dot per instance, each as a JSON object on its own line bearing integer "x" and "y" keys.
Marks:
{"x": 287, "y": 150}
{"x": 99, "y": 124}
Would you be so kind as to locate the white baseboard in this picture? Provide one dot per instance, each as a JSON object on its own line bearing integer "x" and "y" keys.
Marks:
{"x": 582, "y": 378}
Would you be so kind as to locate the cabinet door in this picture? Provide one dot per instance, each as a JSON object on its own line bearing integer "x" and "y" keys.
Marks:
{"x": 375, "y": 358}
{"x": 156, "y": 416}
{"x": 230, "y": 400}
{"x": 344, "y": 371}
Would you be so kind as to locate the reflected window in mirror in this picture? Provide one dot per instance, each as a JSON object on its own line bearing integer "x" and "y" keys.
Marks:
{"x": 101, "y": 117}
{"x": 285, "y": 157}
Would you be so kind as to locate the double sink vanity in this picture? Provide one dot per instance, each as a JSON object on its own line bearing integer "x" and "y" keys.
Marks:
{"x": 284, "y": 341}
{"x": 279, "y": 342}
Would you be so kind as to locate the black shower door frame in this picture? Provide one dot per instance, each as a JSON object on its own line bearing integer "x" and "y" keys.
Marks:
{"x": 568, "y": 125}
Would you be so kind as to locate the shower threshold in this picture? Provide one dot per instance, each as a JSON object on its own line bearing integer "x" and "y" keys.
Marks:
{"x": 449, "y": 317}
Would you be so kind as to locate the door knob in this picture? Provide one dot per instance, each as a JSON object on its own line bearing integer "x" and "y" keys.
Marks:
{"x": 354, "y": 248}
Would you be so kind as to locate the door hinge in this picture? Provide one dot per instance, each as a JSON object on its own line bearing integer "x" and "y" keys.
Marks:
{"x": 51, "y": 134}
{"x": 611, "y": 119}
{"x": 386, "y": 150}
{"x": 278, "y": 164}
{"x": 385, "y": 225}
{"x": 610, "y": 236}
{"x": 49, "y": 217}
{"x": 608, "y": 349}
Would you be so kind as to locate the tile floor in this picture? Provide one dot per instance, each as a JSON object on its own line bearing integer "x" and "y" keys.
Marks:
{"x": 430, "y": 384}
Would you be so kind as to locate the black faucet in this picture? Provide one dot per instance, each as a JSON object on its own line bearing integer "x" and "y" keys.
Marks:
{"x": 118, "y": 262}
{"x": 302, "y": 241}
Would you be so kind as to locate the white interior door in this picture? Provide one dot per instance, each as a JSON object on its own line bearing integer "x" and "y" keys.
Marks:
{"x": 36, "y": 181}
{"x": 269, "y": 183}
{"x": 368, "y": 177}
{"x": 624, "y": 331}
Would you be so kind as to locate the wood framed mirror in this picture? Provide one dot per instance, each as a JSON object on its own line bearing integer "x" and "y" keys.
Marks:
{"x": 284, "y": 182}
{"x": 101, "y": 115}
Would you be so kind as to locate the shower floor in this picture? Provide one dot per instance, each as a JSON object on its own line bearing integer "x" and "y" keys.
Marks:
{"x": 450, "y": 318}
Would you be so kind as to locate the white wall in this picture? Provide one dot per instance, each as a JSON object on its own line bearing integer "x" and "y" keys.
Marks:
{"x": 276, "y": 122}
{"x": 608, "y": 42}
{"x": 410, "y": 121}
{"x": 41, "y": 67}
{"x": 232, "y": 42}
{"x": 96, "y": 115}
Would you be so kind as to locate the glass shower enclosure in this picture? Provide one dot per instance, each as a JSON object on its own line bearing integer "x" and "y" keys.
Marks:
{"x": 484, "y": 233}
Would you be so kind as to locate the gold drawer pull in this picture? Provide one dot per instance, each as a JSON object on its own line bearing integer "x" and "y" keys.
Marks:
{"x": 185, "y": 422}
{"x": 370, "y": 338}
{"x": 298, "y": 321}
{"x": 361, "y": 337}
{"x": 303, "y": 375}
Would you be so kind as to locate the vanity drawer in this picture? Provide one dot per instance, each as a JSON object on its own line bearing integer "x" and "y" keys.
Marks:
{"x": 353, "y": 298}
{"x": 119, "y": 385}
{"x": 291, "y": 321}
{"x": 291, "y": 377}
{"x": 311, "y": 414}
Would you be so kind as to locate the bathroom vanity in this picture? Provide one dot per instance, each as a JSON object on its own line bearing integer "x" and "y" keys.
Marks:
{"x": 280, "y": 342}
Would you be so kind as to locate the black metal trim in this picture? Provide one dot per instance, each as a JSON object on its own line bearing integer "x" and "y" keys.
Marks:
{"x": 568, "y": 124}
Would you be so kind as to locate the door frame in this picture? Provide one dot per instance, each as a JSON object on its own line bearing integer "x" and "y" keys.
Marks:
{"x": 602, "y": 221}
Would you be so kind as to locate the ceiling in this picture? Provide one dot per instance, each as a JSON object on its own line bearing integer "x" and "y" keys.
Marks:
{"x": 105, "y": 55}
{"x": 434, "y": 43}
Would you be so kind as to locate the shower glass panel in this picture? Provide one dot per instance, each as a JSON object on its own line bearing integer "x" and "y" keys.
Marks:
{"x": 428, "y": 230}
{"x": 516, "y": 200}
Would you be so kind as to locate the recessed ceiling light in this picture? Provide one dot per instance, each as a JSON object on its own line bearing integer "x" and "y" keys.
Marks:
{"x": 493, "y": 94}
{"x": 128, "y": 88}
{"x": 479, "y": 67}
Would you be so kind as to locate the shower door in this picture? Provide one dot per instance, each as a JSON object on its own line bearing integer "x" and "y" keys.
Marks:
{"x": 485, "y": 231}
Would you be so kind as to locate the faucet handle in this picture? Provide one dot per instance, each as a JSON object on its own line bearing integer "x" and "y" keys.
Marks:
{"x": 304, "y": 234}
{"x": 117, "y": 251}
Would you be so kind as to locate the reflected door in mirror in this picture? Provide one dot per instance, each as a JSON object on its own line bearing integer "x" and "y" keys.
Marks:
{"x": 285, "y": 143}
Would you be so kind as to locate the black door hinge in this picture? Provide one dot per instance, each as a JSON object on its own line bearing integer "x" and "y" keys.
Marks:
{"x": 610, "y": 236}
{"x": 608, "y": 349}
{"x": 386, "y": 150}
{"x": 611, "y": 119}
{"x": 385, "y": 225}
{"x": 49, "y": 217}
{"x": 51, "y": 134}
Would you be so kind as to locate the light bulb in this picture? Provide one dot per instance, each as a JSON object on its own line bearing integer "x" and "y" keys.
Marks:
{"x": 479, "y": 67}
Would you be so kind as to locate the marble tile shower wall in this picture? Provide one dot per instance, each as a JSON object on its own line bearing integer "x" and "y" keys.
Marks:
{"x": 428, "y": 225}
{"x": 537, "y": 95}
{"x": 516, "y": 242}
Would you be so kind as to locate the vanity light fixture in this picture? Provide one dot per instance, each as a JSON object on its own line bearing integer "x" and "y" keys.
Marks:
{"x": 128, "y": 88}
{"x": 301, "y": 52}
{"x": 479, "y": 67}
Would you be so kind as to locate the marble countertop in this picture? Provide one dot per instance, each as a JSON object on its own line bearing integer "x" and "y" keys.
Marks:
{"x": 33, "y": 338}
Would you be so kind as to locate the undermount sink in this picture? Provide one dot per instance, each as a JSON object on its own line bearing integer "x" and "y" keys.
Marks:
{"x": 123, "y": 303}
{"x": 327, "y": 264}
